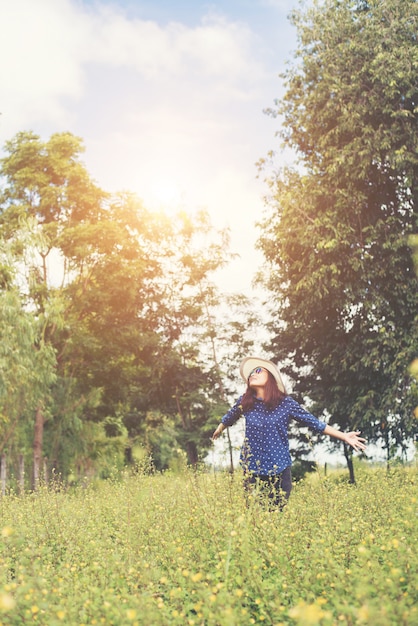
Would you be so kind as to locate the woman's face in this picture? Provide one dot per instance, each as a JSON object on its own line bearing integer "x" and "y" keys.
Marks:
{"x": 258, "y": 377}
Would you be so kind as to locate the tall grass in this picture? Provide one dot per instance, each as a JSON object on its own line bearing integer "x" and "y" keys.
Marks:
{"x": 190, "y": 549}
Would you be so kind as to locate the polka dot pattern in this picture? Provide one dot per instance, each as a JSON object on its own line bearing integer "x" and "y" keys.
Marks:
{"x": 266, "y": 446}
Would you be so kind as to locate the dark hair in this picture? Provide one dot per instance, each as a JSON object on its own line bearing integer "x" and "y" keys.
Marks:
{"x": 272, "y": 395}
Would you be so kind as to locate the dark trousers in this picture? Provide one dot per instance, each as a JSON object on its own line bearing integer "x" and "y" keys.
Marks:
{"x": 274, "y": 491}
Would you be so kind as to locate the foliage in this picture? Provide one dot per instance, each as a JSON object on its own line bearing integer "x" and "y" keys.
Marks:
{"x": 337, "y": 231}
{"x": 186, "y": 549}
{"x": 27, "y": 368}
{"x": 122, "y": 298}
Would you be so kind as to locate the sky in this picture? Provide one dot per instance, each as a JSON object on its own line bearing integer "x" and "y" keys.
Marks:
{"x": 168, "y": 97}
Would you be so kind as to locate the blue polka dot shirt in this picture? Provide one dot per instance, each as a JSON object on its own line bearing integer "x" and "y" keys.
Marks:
{"x": 266, "y": 446}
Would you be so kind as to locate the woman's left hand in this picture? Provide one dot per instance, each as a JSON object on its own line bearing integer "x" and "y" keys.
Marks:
{"x": 356, "y": 442}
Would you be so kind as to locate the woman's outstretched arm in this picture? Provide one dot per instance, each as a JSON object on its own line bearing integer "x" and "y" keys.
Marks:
{"x": 351, "y": 438}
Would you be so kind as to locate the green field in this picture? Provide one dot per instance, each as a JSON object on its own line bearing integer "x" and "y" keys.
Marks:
{"x": 187, "y": 549}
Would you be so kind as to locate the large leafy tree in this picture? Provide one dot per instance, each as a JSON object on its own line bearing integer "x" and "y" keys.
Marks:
{"x": 121, "y": 293}
{"x": 336, "y": 233}
{"x": 48, "y": 194}
{"x": 27, "y": 370}
{"x": 188, "y": 394}
{"x": 27, "y": 362}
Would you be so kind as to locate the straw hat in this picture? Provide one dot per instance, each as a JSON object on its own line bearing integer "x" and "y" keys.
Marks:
{"x": 251, "y": 362}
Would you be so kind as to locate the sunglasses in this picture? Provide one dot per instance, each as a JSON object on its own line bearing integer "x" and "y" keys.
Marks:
{"x": 256, "y": 370}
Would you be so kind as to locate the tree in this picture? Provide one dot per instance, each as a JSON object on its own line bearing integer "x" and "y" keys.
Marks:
{"x": 46, "y": 188}
{"x": 186, "y": 383}
{"x": 27, "y": 369}
{"x": 345, "y": 293}
{"x": 121, "y": 294}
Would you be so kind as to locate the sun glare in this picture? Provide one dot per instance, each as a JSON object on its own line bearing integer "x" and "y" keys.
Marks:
{"x": 166, "y": 194}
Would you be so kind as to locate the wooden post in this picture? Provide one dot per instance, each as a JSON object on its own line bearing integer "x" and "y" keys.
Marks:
{"x": 45, "y": 473}
{"x": 21, "y": 477}
{"x": 3, "y": 473}
{"x": 37, "y": 447}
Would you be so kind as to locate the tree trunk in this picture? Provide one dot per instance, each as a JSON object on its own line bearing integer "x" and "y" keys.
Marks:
{"x": 385, "y": 430}
{"x": 45, "y": 475}
{"x": 221, "y": 387}
{"x": 21, "y": 474}
{"x": 3, "y": 473}
{"x": 231, "y": 459}
{"x": 349, "y": 458}
{"x": 37, "y": 447}
{"x": 192, "y": 454}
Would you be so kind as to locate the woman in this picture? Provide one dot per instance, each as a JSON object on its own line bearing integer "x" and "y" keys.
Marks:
{"x": 265, "y": 454}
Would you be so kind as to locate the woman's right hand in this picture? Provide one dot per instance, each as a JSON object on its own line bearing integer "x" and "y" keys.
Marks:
{"x": 218, "y": 431}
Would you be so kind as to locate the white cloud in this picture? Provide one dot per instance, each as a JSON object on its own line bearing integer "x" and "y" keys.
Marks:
{"x": 171, "y": 112}
{"x": 215, "y": 47}
{"x": 40, "y": 41}
{"x": 281, "y": 5}
{"x": 50, "y": 46}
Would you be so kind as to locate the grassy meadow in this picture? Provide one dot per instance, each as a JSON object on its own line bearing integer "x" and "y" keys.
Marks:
{"x": 187, "y": 549}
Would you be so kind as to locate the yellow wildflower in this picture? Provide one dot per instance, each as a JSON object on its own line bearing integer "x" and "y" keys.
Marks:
{"x": 7, "y": 602}
{"x": 307, "y": 614}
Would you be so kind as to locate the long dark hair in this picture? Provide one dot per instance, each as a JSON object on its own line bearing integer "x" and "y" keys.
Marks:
{"x": 272, "y": 395}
